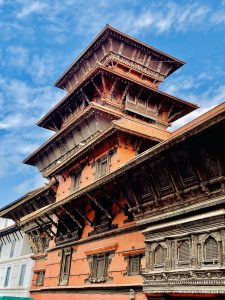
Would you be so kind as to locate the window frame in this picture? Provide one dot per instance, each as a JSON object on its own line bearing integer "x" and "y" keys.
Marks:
{"x": 94, "y": 267}
{"x": 99, "y": 163}
{"x": 1, "y": 250}
{"x": 12, "y": 249}
{"x": 64, "y": 275}
{"x": 40, "y": 277}
{"x": 75, "y": 181}
{"x": 22, "y": 274}
{"x": 212, "y": 261}
{"x": 179, "y": 244}
{"x": 161, "y": 265}
{"x": 7, "y": 276}
{"x": 130, "y": 262}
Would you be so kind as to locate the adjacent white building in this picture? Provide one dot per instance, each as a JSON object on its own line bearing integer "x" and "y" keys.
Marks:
{"x": 15, "y": 260}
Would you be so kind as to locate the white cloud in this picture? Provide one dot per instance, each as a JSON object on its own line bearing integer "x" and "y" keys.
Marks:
{"x": 18, "y": 56}
{"x": 29, "y": 184}
{"x": 30, "y": 8}
{"x": 16, "y": 120}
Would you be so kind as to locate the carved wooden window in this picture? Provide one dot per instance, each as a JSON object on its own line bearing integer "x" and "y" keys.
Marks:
{"x": 40, "y": 278}
{"x": 102, "y": 166}
{"x": 134, "y": 265}
{"x": 160, "y": 256}
{"x": 211, "y": 250}
{"x": 65, "y": 266}
{"x": 7, "y": 276}
{"x": 99, "y": 267}
{"x": 75, "y": 181}
{"x": 183, "y": 252}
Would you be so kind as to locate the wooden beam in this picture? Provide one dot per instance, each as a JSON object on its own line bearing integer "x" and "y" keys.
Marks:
{"x": 53, "y": 223}
{"x": 96, "y": 87}
{"x": 72, "y": 217}
{"x": 173, "y": 116}
{"x": 170, "y": 110}
{"x": 125, "y": 91}
{"x": 85, "y": 96}
{"x": 113, "y": 86}
{"x": 114, "y": 200}
{"x": 129, "y": 186}
{"x": 46, "y": 226}
{"x": 99, "y": 206}
{"x": 41, "y": 226}
{"x": 63, "y": 224}
{"x": 170, "y": 169}
{"x": 117, "y": 183}
{"x": 103, "y": 83}
{"x": 83, "y": 216}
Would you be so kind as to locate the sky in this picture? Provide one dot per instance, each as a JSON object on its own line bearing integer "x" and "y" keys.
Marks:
{"x": 40, "y": 38}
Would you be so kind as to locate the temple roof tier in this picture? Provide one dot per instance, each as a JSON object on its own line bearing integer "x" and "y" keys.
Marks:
{"x": 96, "y": 87}
{"x": 126, "y": 124}
{"x": 111, "y": 44}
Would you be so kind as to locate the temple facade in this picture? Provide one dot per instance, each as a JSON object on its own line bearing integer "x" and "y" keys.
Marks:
{"x": 131, "y": 210}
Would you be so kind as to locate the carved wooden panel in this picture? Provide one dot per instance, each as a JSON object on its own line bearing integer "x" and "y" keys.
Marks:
{"x": 185, "y": 168}
{"x": 210, "y": 162}
{"x": 142, "y": 185}
{"x": 162, "y": 177}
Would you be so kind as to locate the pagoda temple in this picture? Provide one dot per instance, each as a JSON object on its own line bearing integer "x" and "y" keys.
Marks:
{"x": 132, "y": 211}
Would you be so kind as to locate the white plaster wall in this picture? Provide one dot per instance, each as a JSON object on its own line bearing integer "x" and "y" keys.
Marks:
{"x": 22, "y": 256}
{"x": 5, "y": 223}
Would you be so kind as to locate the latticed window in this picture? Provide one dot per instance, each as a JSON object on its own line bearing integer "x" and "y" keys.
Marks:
{"x": 183, "y": 252}
{"x": 160, "y": 256}
{"x": 99, "y": 267}
{"x": 65, "y": 266}
{"x": 211, "y": 249}
{"x": 75, "y": 184}
{"x": 134, "y": 265}
{"x": 40, "y": 278}
{"x": 102, "y": 166}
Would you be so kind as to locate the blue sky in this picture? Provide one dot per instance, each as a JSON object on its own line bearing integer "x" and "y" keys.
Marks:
{"x": 39, "y": 39}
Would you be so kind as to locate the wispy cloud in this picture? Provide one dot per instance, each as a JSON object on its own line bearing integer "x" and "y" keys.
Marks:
{"x": 29, "y": 184}
{"x": 206, "y": 89}
{"x": 30, "y": 8}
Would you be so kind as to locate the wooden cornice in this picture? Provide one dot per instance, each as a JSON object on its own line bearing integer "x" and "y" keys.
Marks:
{"x": 92, "y": 107}
{"x": 7, "y": 210}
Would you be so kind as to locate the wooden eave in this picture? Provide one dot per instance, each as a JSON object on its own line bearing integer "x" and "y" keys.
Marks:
{"x": 201, "y": 125}
{"x": 114, "y": 32}
{"x": 142, "y": 131}
{"x": 91, "y": 107}
{"x": 189, "y": 107}
{"x": 101, "y": 137}
{"x": 7, "y": 210}
{"x": 8, "y": 230}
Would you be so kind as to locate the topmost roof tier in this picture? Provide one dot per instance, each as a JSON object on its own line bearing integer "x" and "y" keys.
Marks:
{"x": 111, "y": 48}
